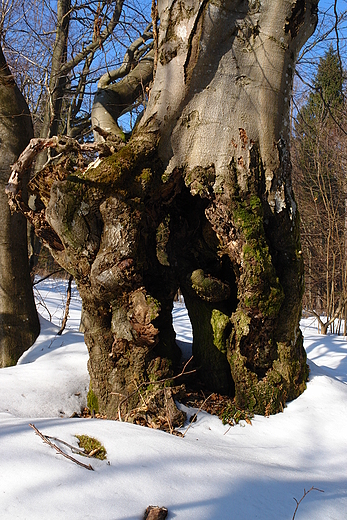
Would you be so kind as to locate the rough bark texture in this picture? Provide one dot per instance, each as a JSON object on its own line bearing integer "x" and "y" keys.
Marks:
{"x": 201, "y": 199}
{"x": 111, "y": 100}
{"x": 57, "y": 81}
{"x": 19, "y": 325}
{"x": 220, "y": 101}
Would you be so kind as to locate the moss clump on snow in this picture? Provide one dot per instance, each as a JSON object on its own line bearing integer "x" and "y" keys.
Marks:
{"x": 91, "y": 446}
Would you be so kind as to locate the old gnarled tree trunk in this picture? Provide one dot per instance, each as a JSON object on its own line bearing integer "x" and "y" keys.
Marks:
{"x": 19, "y": 324}
{"x": 200, "y": 198}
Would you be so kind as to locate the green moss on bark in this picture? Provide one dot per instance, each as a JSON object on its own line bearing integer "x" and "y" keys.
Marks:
{"x": 284, "y": 381}
{"x": 127, "y": 172}
{"x": 220, "y": 323}
{"x": 210, "y": 333}
{"x": 267, "y": 366}
{"x": 264, "y": 397}
{"x": 199, "y": 180}
{"x": 208, "y": 287}
{"x": 241, "y": 322}
{"x": 92, "y": 401}
{"x": 259, "y": 288}
{"x": 159, "y": 369}
{"x": 294, "y": 371}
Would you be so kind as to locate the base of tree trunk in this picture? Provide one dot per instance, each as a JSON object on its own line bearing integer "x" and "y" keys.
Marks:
{"x": 244, "y": 303}
{"x": 199, "y": 199}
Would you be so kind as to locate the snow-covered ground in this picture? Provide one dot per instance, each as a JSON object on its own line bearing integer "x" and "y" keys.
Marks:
{"x": 214, "y": 473}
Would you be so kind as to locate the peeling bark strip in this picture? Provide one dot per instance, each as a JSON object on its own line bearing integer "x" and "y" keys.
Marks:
{"x": 25, "y": 161}
{"x": 38, "y": 144}
{"x": 194, "y": 42}
{"x": 296, "y": 20}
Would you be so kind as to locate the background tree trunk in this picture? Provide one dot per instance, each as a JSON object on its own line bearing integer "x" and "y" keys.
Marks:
{"x": 57, "y": 81}
{"x": 201, "y": 199}
{"x": 19, "y": 325}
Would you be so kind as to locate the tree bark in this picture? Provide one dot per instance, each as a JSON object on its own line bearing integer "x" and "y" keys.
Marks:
{"x": 19, "y": 325}
{"x": 111, "y": 100}
{"x": 220, "y": 102}
{"x": 201, "y": 199}
{"x": 57, "y": 80}
{"x": 61, "y": 67}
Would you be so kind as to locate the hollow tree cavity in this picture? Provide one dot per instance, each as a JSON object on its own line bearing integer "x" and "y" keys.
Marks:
{"x": 199, "y": 198}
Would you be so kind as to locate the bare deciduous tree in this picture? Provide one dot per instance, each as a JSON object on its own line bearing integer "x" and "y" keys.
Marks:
{"x": 19, "y": 325}
{"x": 320, "y": 184}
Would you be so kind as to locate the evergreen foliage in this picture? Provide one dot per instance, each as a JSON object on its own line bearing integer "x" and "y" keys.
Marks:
{"x": 320, "y": 186}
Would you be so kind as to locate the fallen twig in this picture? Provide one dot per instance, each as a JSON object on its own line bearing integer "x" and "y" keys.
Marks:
{"x": 61, "y": 452}
{"x": 298, "y": 502}
{"x": 74, "y": 449}
{"x": 196, "y": 414}
{"x": 228, "y": 430}
{"x": 48, "y": 276}
{"x": 171, "y": 428}
{"x": 152, "y": 383}
{"x": 67, "y": 306}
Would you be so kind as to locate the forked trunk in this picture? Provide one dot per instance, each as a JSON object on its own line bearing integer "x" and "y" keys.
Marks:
{"x": 201, "y": 199}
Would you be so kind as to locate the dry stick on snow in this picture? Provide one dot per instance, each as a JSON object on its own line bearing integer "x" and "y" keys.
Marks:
{"x": 58, "y": 450}
{"x": 67, "y": 307}
{"x": 196, "y": 414}
{"x": 74, "y": 449}
{"x": 228, "y": 430}
{"x": 298, "y": 502}
{"x": 152, "y": 383}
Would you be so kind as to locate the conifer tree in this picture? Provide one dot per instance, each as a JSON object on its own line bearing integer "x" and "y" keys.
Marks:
{"x": 320, "y": 188}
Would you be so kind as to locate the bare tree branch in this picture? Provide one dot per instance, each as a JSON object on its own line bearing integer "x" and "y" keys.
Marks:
{"x": 154, "y": 14}
{"x": 128, "y": 60}
{"x": 67, "y": 307}
{"x": 95, "y": 44}
{"x": 298, "y": 502}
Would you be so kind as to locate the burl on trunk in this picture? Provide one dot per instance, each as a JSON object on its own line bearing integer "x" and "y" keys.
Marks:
{"x": 199, "y": 199}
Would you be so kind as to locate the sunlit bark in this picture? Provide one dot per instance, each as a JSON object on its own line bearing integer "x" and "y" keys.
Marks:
{"x": 19, "y": 325}
{"x": 200, "y": 198}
